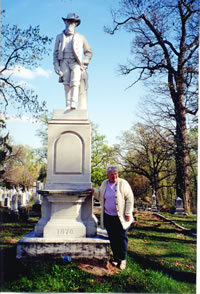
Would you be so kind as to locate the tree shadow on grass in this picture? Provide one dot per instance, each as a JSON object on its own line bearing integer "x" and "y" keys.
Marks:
{"x": 140, "y": 235}
{"x": 148, "y": 262}
{"x": 12, "y": 269}
{"x": 9, "y": 264}
{"x": 161, "y": 239}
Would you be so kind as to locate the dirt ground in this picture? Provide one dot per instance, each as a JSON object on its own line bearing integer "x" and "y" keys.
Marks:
{"x": 97, "y": 267}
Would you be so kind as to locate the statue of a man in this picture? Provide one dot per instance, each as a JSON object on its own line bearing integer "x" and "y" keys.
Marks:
{"x": 70, "y": 64}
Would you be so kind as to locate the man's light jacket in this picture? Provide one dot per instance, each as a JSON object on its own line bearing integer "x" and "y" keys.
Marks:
{"x": 80, "y": 46}
{"x": 124, "y": 201}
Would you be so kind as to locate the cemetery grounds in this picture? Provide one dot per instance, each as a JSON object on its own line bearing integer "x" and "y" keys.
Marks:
{"x": 161, "y": 259}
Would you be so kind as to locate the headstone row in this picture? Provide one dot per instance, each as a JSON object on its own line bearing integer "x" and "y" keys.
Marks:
{"x": 14, "y": 199}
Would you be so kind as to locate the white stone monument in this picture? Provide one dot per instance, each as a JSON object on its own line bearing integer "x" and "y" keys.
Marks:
{"x": 68, "y": 226}
{"x": 68, "y": 176}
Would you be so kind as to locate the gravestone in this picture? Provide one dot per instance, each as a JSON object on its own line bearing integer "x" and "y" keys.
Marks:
{"x": 23, "y": 199}
{"x": 154, "y": 203}
{"x": 178, "y": 206}
{"x": 14, "y": 204}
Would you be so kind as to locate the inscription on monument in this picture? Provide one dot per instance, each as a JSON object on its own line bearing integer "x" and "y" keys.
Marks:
{"x": 64, "y": 232}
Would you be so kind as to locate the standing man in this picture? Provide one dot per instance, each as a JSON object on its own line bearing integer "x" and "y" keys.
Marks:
{"x": 69, "y": 63}
{"x": 116, "y": 200}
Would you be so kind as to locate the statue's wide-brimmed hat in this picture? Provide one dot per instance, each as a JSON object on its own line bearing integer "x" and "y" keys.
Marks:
{"x": 73, "y": 16}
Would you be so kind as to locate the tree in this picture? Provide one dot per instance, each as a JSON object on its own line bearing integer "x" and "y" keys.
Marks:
{"x": 41, "y": 153}
{"x": 20, "y": 48}
{"x": 101, "y": 156}
{"x": 148, "y": 152}
{"x": 22, "y": 167}
{"x": 42, "y": 133}
{"x": 5, "y": 147}
{"x": 165, "y": 47}
{"x": 140, "y": 185}
{"x": 193, "y": 166}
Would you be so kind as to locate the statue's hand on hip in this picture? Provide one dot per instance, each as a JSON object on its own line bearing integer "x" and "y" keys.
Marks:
{"x": 60, "y": 73}
{"x": 84, "y": 67}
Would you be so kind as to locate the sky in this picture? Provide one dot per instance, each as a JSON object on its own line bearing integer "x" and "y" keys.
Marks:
{"x": 111, "y": 106}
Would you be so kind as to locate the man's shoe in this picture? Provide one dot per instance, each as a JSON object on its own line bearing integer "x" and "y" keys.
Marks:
{"x": 67, "y": 108}
{"x": 122, "y": 264}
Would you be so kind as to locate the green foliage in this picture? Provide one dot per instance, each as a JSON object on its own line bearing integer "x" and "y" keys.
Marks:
{"x": 102, "y": 156}
{"x": 42, "y": 133}
{"x": 193, "y": 165}
{"x": 42, "y": 174}
{"x": 50, "y": 277}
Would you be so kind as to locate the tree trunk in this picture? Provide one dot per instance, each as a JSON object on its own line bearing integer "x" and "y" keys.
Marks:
{"x": 182, "y": 157}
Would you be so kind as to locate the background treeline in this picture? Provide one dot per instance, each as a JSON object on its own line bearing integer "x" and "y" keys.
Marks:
{"x": 145, "y": 156}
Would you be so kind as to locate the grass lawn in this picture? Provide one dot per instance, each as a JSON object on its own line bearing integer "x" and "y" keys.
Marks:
{"x": 189, "y": 222}
{"x": 161, "y": 259}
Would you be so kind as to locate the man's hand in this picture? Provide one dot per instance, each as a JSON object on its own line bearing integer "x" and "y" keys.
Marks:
{"x": 127, "y": 218}
{"x": 83, "y": 67}
{"x": 58, "y": 71}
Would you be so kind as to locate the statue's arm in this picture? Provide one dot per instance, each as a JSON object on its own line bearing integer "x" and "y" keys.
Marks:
{"x": 87, "y": 51}
{"x": 56, "y": 54}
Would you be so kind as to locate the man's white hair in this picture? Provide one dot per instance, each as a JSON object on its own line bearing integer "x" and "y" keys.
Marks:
{"x": 110, "y": 168}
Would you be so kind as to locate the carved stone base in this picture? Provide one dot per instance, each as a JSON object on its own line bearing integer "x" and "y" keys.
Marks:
{"x": 92, "y": 248}
{"x": 66, "y": 214}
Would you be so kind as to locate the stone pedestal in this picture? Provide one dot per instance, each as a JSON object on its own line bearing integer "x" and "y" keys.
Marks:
{"x": 31, "y": 247}
{"x": 67, "y": 225}
{"x": 46, "y": 214}
{"x": 66, "y": 214}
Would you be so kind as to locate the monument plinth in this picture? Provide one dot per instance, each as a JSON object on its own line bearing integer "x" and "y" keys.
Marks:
{"x": 67, "y": 225}
{"x": 69, "y": 151}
